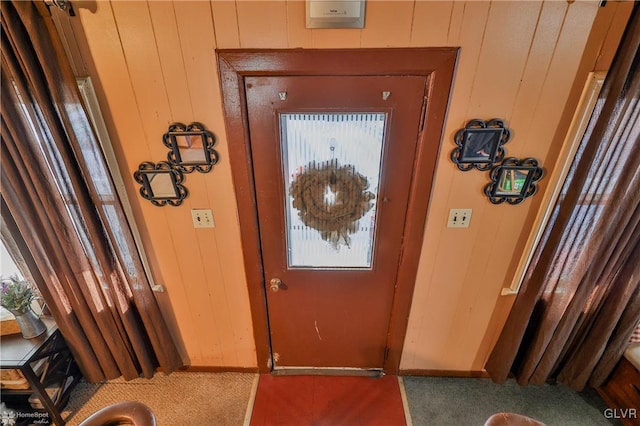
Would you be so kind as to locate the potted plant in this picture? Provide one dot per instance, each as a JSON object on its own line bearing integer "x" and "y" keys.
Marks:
{"x": 16, "y": 295}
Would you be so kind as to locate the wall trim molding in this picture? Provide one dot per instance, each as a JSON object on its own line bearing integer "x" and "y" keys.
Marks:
{"x": 445, "y": 373}
{"x": 215, "y": 369}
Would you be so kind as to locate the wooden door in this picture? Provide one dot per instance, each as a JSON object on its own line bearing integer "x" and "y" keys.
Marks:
{"x": 337, "y": 313}
{"x": 333, "y": 161}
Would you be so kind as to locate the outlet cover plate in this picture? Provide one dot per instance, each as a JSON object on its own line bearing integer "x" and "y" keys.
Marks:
{"x": 459, "y": 218}
{"x": 202, "y": 218}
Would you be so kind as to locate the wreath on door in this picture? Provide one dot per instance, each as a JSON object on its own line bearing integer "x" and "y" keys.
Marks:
{"x": 331, "y": 199}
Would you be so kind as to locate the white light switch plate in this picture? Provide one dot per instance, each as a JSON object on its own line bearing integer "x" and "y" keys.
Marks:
{"x": 459, "y": 218}
{"x": 202, "y": 218}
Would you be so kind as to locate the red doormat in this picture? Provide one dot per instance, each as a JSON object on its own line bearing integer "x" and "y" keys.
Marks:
{"x": 328, "y": 400}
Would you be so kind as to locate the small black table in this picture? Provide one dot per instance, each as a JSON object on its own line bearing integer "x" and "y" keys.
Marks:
{"x": 58, "y": 370}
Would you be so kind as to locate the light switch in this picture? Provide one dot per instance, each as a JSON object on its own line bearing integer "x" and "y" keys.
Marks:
{"x": 202, "y": 218}
{"x": 459, "y": 218}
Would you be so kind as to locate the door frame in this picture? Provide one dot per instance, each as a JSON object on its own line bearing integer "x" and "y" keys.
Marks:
{"x": 437, "y": 64}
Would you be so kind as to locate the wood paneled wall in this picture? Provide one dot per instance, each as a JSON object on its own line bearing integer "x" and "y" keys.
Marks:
{"x": 153, "y": 63}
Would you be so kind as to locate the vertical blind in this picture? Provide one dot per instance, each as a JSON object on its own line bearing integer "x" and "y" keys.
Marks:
{"x": 343, "y": 139}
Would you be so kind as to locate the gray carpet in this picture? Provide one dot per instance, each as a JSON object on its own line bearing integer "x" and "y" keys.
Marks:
{"x": 180, "y": 398}
{"x": 444, "y": 401}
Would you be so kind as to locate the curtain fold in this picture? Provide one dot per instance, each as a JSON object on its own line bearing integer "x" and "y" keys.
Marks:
{"x": 580, "y": 299}
{"x": 61, "y": 202}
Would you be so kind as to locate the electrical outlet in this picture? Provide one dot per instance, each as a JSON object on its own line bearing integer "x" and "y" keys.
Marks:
{"x": 459, "y": 218}
{"x": 202, "y": 218}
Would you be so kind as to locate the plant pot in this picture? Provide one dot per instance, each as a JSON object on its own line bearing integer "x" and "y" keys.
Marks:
{"x": 30, "y": 324}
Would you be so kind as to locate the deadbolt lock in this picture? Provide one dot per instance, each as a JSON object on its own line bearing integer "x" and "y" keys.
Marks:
{"x": 275, "y": 284}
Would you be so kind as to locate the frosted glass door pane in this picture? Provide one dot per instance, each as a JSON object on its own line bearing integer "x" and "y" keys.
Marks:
{"x": 332, "y": 171}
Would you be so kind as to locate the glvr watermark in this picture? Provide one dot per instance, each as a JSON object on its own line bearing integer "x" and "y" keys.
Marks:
{"x": 621, "y": 413}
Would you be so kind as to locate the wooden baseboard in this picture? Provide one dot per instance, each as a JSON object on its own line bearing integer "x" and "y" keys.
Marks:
{"x": 408, "y": 372}
{"x": 214, "y": 369}
{"x": 444, "y": 373}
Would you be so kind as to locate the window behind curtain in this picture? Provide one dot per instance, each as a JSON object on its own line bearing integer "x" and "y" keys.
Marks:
{"x": 95, "y": 115}
{"x": 7, "y": 266}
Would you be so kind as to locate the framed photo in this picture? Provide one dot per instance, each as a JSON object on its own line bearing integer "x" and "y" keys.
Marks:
{"x": 191, "y": 147}
{"x": 513, "y": 181}
{"x": 480, "y": 144}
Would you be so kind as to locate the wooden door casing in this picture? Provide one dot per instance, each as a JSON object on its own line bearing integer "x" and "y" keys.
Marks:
{"x": 435, "y": 64}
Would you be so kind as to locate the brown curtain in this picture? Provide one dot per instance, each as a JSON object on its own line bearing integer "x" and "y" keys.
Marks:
{"x": 60, "y": 206}
{"x": 580, "y": 299}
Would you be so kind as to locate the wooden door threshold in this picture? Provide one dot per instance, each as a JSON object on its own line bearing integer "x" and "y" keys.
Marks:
{"x": 327, "y": 371}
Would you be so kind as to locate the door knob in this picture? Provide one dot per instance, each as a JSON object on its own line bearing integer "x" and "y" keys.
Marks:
{"x": 275, "y": 284}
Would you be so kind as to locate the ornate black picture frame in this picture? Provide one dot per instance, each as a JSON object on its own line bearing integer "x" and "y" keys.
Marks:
{"x": 191, "y": 147}
{"x": 161, "y": 183}
{"x": 513, "y": 181}
{"x": 480, "y": 144}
